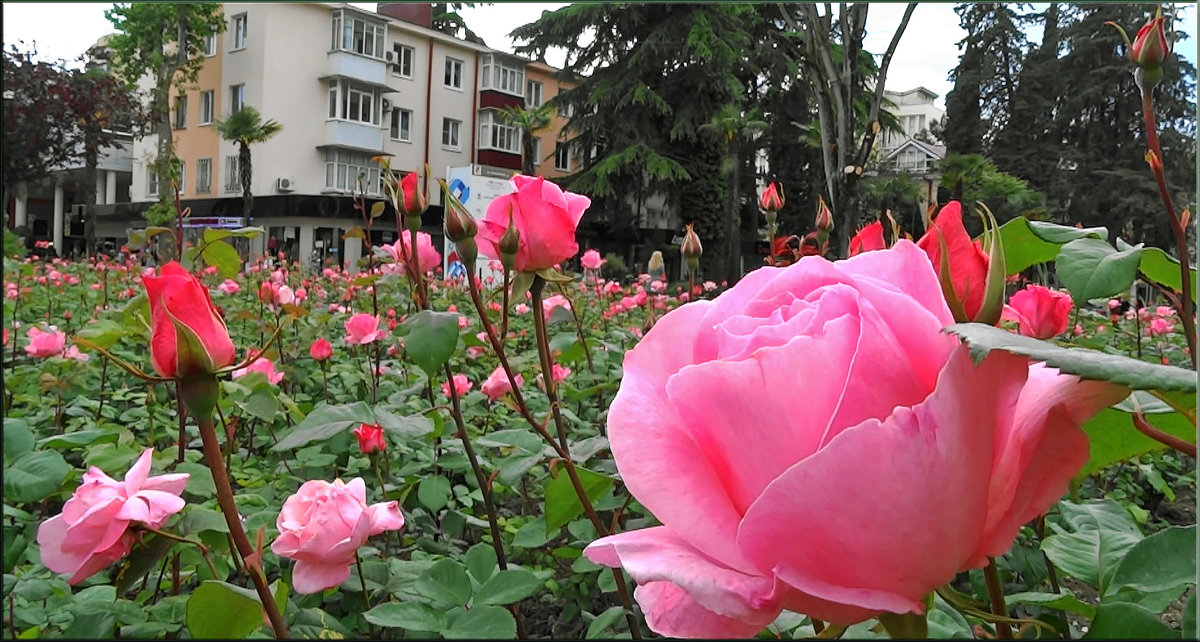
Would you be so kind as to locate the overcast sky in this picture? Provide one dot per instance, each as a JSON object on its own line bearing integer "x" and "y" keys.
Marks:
{"x": 927, "y": 52}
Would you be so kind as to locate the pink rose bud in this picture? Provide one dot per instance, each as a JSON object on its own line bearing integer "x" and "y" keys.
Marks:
{"x": 320, "y": 349}
{"x": 370, "y": 438}
{"x": 44, "y": 344}
{"x": 772, "y": 199}
{"x": 1041, "y": 313}
{"x": 497, "y": 384}
{"x": 263, "y": 365}
{"x": 824, "y": 216}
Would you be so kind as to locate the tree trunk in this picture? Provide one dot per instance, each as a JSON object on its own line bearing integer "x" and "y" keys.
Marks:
{"x": 528, "y": 162}
{"x": 245, "y": 174}
{"x": 733, "y": 236}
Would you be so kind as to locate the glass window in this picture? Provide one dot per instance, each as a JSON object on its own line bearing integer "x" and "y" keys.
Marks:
{"x": 562, "y": 157}
{"x": 450, "y": 130}
{"x": 204, "y": 176}
{"x": 453, "y": 76}
{"x": 403, "y": 65}
{"x": 210, "y": 45}
{"x": 181, "y": 112}
{"x": 356, "y": 102}
{"x": 239, "y": 32}
{"x": 182, "y": 176}
{"x": 537, "y": 151}
{"x": 533, "y": 94}
{"x": 237, "y": 98}
{"x": 401, "y": 124}
{"x": 233, "y": 182}
{"x": 351, "y": 33}
{"x": 151, "y": 181}
{"x": 344, "y": 169}
{"x": 206, "y": 107}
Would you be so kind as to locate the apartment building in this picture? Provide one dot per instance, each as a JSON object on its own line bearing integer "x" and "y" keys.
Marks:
{"x": 346, "y": 85}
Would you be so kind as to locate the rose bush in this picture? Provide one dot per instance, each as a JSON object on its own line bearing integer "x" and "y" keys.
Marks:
{"x": 908, "y": 464}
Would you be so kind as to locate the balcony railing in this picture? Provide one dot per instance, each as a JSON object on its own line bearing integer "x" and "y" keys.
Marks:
{"x": 362, "y": 136}
{"x": 346, "y": 64}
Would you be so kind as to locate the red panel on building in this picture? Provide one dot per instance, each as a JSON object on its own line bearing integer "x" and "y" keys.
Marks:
{"x": 499, "y": 159}
{"x": 417, "y": 13}
{"x": 489, "y": 98}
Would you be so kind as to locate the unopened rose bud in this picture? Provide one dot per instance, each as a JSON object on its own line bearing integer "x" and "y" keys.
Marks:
{"x": 458, "y": 224}
{"x": 824, "y": 216}
{"x": 772, "y": 199}
{"x": 510, "y": 243}
{"x": 413, "y": 201}
{"x": 691, "y": 249}
{"x": 1150, "y": 47}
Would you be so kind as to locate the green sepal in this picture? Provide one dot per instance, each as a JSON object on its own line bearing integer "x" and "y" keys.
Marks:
{"x": 199, "y": 395}
{"x": 993, "y": 293}
{"x": 905, "y": 626}
{"x": 189, "y": 350}
{"x": 952, "y": 301}
{"x": 520, "y": 285}
{"x": 553, "y": 276}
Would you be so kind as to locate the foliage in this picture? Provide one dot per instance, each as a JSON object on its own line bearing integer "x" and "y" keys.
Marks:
{"x": 530, "y": 122}
{"x": 1006, "y": 196}
{"x": 246, "y": 127}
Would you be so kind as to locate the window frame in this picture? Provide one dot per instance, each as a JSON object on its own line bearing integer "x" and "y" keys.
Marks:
{"x": 400, "y": 49}
{"x": 562, "y": 149}
{"x": 211, "y": 95}
{"x": 233, "y": 182}
{"x": 204, "y": 171}
{"x": 343, "y": 91}
{"x": 151, "y": 180}
{"x": 452, "y": 134}
{"x": 182, "y": 176}
{"x": 241, "y": 22}
{"x": 493, "y": 131}
{"x": 351, "y": 33}
{"x": 529, "y": 86}
{"x": 537, "y": 151}
{"x": 457, "y": 76}
{"x": 396, "y": 121}
{"x": 342, "y": 168}
{"x": 237, "y": 92}
{"x": 181, "y": 105}
{"x": 210, "y": 45}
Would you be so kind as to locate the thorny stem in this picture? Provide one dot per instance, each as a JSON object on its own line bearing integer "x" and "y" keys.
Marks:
{"x": 1185, "y": 273}
{"x": 194, "y": 542}
{"x": 1144, "y": 427}
{"x": 497, "y": 346}
{"x": 996, "y": 594}
{"x": 212, "y": 455}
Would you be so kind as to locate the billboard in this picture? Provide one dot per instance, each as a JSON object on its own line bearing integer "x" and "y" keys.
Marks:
{"x": 476, "y": 186}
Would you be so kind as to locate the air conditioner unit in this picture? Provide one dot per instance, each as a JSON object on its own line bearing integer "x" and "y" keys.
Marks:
{"x": 285, "y": 184}
{"x": 387, "y": 105}
{"x": 389, "y": 56}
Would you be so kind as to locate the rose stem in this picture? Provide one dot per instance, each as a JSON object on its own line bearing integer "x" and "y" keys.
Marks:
{"x": 1144, "y": 427}
{"x": 996, "y": 593}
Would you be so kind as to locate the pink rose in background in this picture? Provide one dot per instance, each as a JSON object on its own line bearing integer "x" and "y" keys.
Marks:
{"x": 93, "y": 529}
{"x": 462, "y": 385}
{"x": 497, "y": 385}
{"x": 45, "y": 343}
{"x": 591, "y": 260}
{"x": 323, "y": 525}
{"x": 544, "y": 215}
{"x": 362, "y": 329}
{"x": 284, "y": 295}
{"x": 559, "y": 374}
{"x": 556, "y": 301}
{"x": 1041, "y": 313}
{"x": 229, "y": 286}
{"x": 263, "y": 365}
{"x": 764, "y": 509}
{"x": 521, "y": 309}
{"x": 1160, "y": 326}
{"x": 427, "y": 256}
{"x": 320, "y": 349}
{"x": 1164, "y": 311}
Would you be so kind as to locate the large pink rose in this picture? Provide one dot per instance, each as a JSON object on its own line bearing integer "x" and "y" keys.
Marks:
{"x": 545, "y": 216}
{"x": 1040, "y": 312}
{"x": 322, "y": 526}
{"x": 93, "y": 529}
{"x": 810, "y": 440}
{"x": 362, "y": 329}
{"x": 428, "y": 257}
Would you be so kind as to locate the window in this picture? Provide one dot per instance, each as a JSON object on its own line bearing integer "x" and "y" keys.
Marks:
{"x": 207, "y": 101}
{"x": 237, "y": 98}
{"x": 562, "y": 157}
{"x": 353, "y": 33}
{"x": 401, "y": 124}
{"x": 182, "y": 177}
{"x": 210, "y": 45}
{"x": 495, "y": 134}
{"x": 239, "y": 32}
{"x": 349, "y": 101}
{"x": 151, "y": 181}
{"x": 454, "y": 70}
{"x": 204, "y": 176}
{"x": 403, "y": 65}
{"x": 343, "y": 170}
{"x": 537, "y": 151}
{"x": 565, "y": 110}
{"x": 233, "y": 182}
{"x": 181, "y": 112}
{"x": 496, "y": 74}
{"x": 450, "y": 129}
{"x": 533, "y": 94}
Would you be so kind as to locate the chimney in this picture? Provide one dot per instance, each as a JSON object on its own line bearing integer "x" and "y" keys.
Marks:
{"x": 417, "y": 13}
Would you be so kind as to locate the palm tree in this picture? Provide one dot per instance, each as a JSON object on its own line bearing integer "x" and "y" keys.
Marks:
{"x": 530, "y": 122}
{"x": 246, "y": 127}
{"x": 731, "y": 125}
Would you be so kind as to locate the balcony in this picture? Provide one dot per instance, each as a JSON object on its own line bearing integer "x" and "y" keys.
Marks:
{"x": 353, "y": 135}
{"x": 364, "y": 69}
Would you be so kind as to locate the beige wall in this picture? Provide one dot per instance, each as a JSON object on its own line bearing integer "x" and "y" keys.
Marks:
{"x": 554, "y": 134}
{"x": 197, "y": 141}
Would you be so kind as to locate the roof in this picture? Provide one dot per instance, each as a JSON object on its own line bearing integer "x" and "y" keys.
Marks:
{"x": 914, "y": 90}
{"x": 937, "y": 152}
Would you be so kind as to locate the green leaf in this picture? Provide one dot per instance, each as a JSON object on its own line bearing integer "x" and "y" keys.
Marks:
{"x": 1064, "y": 601}
{"x": 1162, "y": 562}
{"x": 1091, "y": 269}
{"x": 213, "y": 234}
{"x": 325, "y": 422}
{"x": 102, "y": 332}
{"x": 18, "y": 438}
{"x": 72, "y": 439}
{"x": 518, "y": 437}
{"x": 1124, "y": 621}
{"x": 91, "y": 626}
{"x": 434, "y": 492}
{"x": 1113, "y": 437}
{"x": 224, "y": 257}
{"x": 532, "y": 535}
{"x": 598, "y": 628}
{"x": 562, "y": 503}
{"x": 482, "y": 623}
{"x": 1160, "y": 267}
{"x": 219, "y": 610}
{"x": 199, "y": 519}
{"x": 1189, "y": 618}
{"x": 407, "y": 615}
{"x": 1028, "y": 243}
{"x": 481, "y": 562}
{"x": 14, "y": 547}
{"x": 432, "y": 337}
{"x": 200, "y": 482}
{"x": 1088, "y": 364}
{"x": 521, "y": 282}
{"x": 1103, "y": 533}
{"x": 446, "y": 583}
{"x": 34, "y": 476}
{"x": 141, "y": 560}
{"x": 508, "y": 586}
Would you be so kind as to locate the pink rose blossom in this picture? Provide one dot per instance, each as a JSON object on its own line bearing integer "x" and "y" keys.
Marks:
{"x": 428, "y": 257}
{"x": 362, "y": 329}
{"x": 497, "y": 385}
{"x": 1160, "y": 326}
{"x": 1041, "y": 313}
{"x": 93, "y": 529}
{"x": 323, "y": 525}
{"x": 45, "y": 343}
{"x": 320, "y": 349}
{"x": 705, "y": 435}
{"x": 229, "y": 286}
{"x": 461, "y": 385}
{"x": 556, "y": 301}
{"x": 263, "y": 365}
{"x": 591, "y": 260}
{"x": 544, "y": 215}
{"x": 521, "y": 309}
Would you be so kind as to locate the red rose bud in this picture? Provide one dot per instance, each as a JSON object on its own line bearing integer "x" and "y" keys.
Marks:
{"x": 772, "y": 199}
{"x": 868, "y": 239}
{"x": 691, "y": 248}
{"x": 266, "y": 293}
{"x": 458, "y": 224}
{"x": 413, "y": 202}
{"x": 320, "y": 349}
{"x": 961, "y": 264}
{"x": 824, "y": 216}
{"x": 188, "y": 341}
{"x": 1151, "y": 47}
{"x": 370, "y": 438}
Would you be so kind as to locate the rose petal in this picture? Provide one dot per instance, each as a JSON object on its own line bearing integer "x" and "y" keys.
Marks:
{"x": 314, "y": 576}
